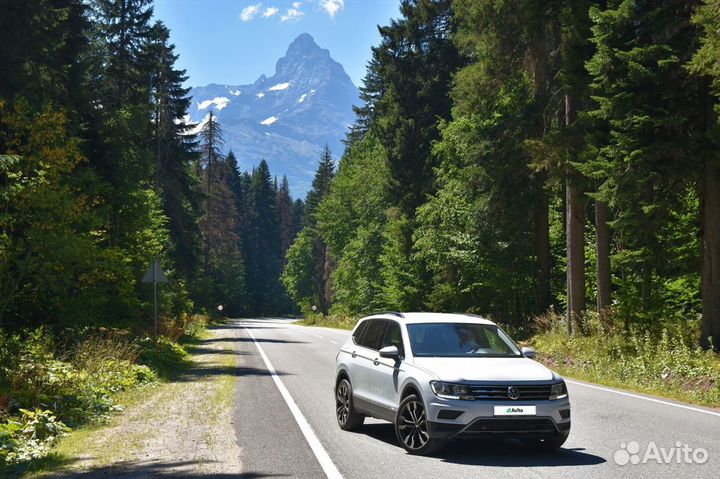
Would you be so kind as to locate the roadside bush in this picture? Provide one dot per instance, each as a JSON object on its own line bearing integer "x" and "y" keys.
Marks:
{"x": 48, "y": 384}
{"x": 665, "y": 362}
{"x": 165, "y": 357}
{"x": 31, "y": 437}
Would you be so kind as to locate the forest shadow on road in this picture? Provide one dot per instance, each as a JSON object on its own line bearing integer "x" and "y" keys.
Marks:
{"x": 143, "y": 470}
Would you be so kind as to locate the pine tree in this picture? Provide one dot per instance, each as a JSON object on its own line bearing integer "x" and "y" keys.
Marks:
{"x": 285, "y": 216}
{"x": 307, "y": 276}
{"x": 649, "y": 105}
{"x": 407, "y": 89}
{"x": 298, "y": 215}
{"x": 264, "y": 255}
{"x": 175, "y": 151}
{"x": 320, "y": 187}
{"x": 124, "y": 27}
{"x": 706, "y": 62}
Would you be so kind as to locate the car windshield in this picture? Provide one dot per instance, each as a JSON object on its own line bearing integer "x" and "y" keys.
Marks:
{"x": 460, "y": 340}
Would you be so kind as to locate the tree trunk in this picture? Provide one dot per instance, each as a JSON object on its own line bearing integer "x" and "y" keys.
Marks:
{"x": 575, "y": 242}
{"x": 711, "y": 255}
{"x": 542, "y": 249}
{"x": 602, "y": 248}
{"x": 574, "y": 232}
{"x": 646, "y": 288}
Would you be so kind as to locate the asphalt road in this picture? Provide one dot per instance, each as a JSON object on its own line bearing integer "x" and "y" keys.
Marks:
{"x": 307, "y": 443}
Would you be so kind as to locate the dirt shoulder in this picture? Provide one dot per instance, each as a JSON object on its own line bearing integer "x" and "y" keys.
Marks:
{"x": 183, "y": 428}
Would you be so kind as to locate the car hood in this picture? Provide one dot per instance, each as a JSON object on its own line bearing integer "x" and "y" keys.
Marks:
{"x": 484, "y": 369}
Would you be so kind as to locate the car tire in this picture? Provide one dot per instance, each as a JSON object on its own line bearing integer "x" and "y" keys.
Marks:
{"x": 548, "y": 444}
{"x": 347, "y": 418}
{"x": 411, "y": 428}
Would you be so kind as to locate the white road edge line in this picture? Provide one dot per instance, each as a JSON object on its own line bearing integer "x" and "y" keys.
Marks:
{"x": 331, "y": 471}
{"x": 636, "y": 396}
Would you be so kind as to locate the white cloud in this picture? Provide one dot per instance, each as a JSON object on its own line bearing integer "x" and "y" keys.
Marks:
{"x": 293, "y": 14}
{"x": 249, "y": 12}
{"x": 270, "y": 11}
{"x": 332, "y": 7}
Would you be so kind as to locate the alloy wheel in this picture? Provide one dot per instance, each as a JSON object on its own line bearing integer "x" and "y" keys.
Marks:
{"x": 412, "y": 425}
{"x": 342, "y": 403}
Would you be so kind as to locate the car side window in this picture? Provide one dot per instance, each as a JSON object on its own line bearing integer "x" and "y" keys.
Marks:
{"x": 374, "y": 334}
{"x": 358, "y": 334}
{"x": 393, "y": 337}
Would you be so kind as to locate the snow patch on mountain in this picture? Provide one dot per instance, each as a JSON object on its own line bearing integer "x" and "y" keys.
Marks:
{"x": 269, "y": 121}
{"x": 198, "y": 127}
{"x": 220, "y": 102}
{"x": 235, "y": 92}
{"x": 279, "y": 86}
{"x": 302, "y": 98}
{"x": 260, "y": 95}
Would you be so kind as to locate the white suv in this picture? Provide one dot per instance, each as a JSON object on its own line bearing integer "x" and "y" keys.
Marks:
{"x": 443, "y": 376}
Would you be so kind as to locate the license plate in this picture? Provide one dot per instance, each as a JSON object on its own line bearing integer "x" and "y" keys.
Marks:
{"x": 515, "y": 410}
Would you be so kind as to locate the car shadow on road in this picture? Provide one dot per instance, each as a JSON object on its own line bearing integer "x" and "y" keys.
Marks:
{"x": 489, "y": 452}
{"x": 142, "y": 470}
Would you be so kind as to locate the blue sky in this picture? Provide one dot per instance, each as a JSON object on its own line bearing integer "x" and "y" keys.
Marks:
{"x": 234, "y": 41}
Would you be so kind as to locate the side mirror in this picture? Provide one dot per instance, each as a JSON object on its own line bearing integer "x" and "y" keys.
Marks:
{"x": 529, "y": 352}
{"x": 390, "y": 352}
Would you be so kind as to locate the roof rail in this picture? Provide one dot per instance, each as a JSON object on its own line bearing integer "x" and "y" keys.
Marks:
{"x": 393, "y": 313}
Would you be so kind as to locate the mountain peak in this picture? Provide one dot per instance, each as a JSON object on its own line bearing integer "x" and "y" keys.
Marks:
{"x": 288, "y": 117}
{"x": 304, "y": 43}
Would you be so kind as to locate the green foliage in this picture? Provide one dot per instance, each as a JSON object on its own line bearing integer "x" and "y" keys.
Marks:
{"x": 47, "y": 382}
{"x": 298, "y": 273}
{"x": 665, "y": 361}
{"x": 351, "y": 220}
{"x": 306, "y": 275}
{"x": 31, "y": 437}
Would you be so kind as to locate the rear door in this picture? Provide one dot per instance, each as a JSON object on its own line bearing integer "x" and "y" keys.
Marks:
{"x": 363, "y": 358}
{"x": 386, "y": 371}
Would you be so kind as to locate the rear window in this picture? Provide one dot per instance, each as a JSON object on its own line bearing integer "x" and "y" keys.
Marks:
{"x": 374, "y": 334}
{"x": 357, "y": 335}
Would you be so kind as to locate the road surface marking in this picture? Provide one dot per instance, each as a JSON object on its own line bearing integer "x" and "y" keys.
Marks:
{"x": 636, "y": 396}
{"x": 320, "y": 453}
{"x": 316, "y": 335}
{"x": 333, "y": 341}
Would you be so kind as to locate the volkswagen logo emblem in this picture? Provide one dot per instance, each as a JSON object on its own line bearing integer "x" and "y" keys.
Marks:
{"x": 513, "y": 392}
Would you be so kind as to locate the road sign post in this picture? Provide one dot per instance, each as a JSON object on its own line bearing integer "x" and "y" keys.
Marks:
{"x": 155, "y": 275}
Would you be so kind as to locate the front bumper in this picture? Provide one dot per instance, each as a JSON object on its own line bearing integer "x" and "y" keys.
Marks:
{"x": 477, "y": 419}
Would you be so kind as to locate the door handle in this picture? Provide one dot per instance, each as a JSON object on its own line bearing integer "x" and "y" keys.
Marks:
{"x": 376, "y": 362}
{"x": 354, "y": 354}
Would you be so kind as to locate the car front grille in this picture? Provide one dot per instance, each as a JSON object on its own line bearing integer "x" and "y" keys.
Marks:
{"x": 514, "y": 426}
{"x": 500, "y": 393}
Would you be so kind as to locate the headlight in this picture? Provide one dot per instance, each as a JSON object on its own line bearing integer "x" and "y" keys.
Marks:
{"x": 558, "y": 391}
{"x": 451, "y": 391}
